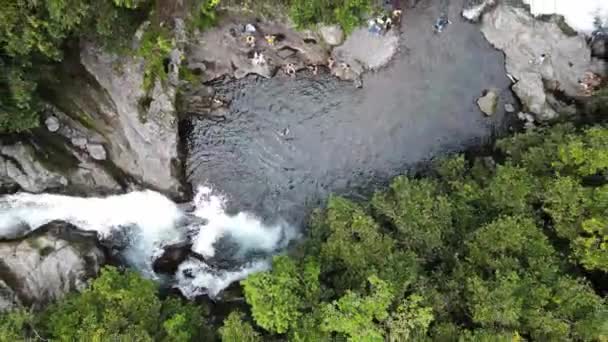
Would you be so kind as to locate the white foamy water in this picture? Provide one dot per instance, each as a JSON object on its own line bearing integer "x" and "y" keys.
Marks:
{"x": 579, "y": 14}
{"x": 246, "y": 229}
{"x": 152, "y": 221}
{"x": 195, "y": 278}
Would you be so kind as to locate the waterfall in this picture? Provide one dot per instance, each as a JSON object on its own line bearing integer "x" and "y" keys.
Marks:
{"x": 227, "y": 247}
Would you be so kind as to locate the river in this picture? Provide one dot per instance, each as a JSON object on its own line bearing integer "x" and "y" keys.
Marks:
{"x": 285, "y": 144}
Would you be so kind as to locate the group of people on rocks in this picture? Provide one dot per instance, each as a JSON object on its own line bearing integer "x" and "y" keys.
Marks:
{"x": 383, "y": 24}
{"x": 379, "y": 26}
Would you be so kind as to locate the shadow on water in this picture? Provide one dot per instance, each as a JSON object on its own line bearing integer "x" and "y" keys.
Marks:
{"x": 285, "y": 144}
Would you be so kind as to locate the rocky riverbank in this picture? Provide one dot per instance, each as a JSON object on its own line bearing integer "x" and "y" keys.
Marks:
{"x": 55, "y": 259}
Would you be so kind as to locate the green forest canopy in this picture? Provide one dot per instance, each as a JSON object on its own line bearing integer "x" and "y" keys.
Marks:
{"x": 473, "y": 251}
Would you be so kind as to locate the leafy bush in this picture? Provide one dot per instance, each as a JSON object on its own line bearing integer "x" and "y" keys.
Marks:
{"x": 154, "y": 48}
{"x": 347, "y": 13}
{"x": 207, "y": 15}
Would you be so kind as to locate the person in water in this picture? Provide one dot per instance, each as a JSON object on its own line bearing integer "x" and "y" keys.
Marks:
{"x": 441, "y": 23}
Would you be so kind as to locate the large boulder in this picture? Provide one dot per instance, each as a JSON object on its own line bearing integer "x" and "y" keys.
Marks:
{"x": 370, "y": 50}
{"x": 488, "y": 102}
{"x": 46, "y": 265}
{"x": 539, "y": 56}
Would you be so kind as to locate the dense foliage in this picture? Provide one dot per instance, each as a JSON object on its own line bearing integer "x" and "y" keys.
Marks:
{"x": 33, "y": 33}
{"x": 474, "y": 251}
{"x": 477, "y": 251}
{"x": 118, "y": 306}
{"x": 347, "y": 13}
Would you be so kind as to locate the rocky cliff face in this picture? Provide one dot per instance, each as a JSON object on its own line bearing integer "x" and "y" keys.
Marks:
{"x": 102, "y": 132}
{"x": 140, "y": 140}
{"x": 46, "y": 265}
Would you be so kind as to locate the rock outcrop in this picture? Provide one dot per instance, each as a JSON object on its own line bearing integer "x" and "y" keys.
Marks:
{"x": 230, "y": 49}
{"x": 371, "y": 51}
{"x": 140, "y": 129}
{"x": 539, "y": 56}
{"x": 47, "y": 264}
{"x": 488, "y": 102}
{"x": 22, "y": 167}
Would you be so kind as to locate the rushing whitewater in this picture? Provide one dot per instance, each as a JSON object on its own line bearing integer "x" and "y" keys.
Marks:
{"x": 582, "y": 15}
{"x": 152, "y": 221}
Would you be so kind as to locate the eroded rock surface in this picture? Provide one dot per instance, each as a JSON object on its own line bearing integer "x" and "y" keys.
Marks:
{"x": 539, "y": 56}
{"x": 46, "y": 265}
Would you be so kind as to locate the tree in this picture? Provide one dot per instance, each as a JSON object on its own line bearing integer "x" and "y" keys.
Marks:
{"x": 354, "y": 315}
{"x": 511, "y": 190}
{"x": 352, "y": 247}
{"x": 417, "y": 210}
{"x": 16, "y": 325}
{"x": 235, "y": 330}
{"x": 180, "y": 321}
{"x": 410, "y": 321}
{"x": 276, "y": 297}
{"x": 515, "y": 282}
{"x": 121, "y": 306}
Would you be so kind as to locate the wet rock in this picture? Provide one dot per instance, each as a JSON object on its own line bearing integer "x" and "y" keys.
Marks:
{"x": 488, "y": 102}
{"x": 372, "y": 51}
{"x": 332, "y": 34}
{"x": 474, "y": 9}
{"x": 52, "y": 124}
{"x": 46, "y": 265}
{"x": 171, "y": 257}
{"x": 96, "y": 151}
{"x": 537, "y": 52}
{"x": 509, "y": 108}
